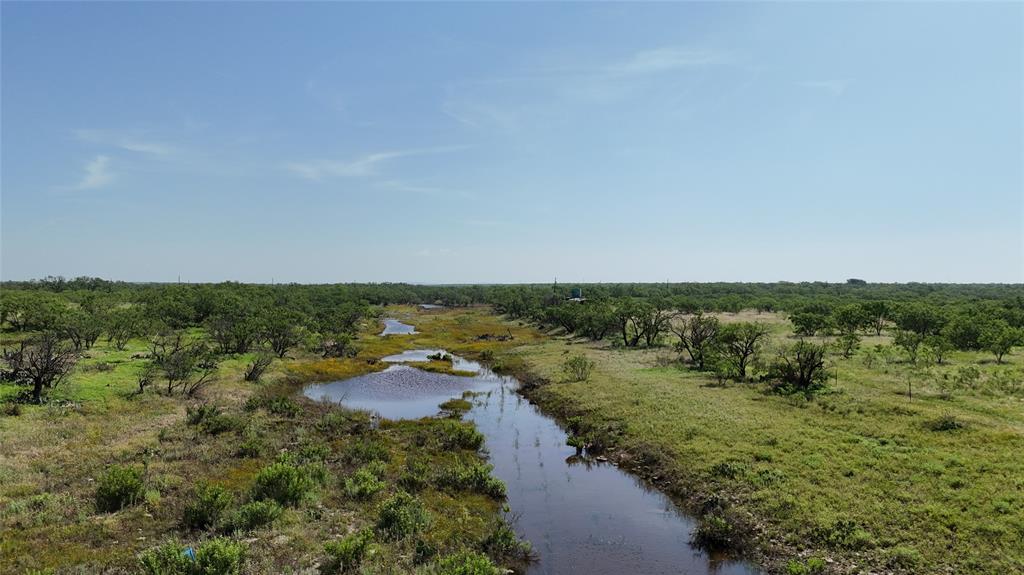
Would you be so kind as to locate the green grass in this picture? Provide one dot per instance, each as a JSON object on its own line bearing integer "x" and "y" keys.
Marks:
{"x": 862, "y": 474}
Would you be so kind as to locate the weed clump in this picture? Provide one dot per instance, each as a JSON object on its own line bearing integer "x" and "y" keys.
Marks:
{"x": 220, "y": 556}
{"x": 401, "y": 515}
{"x": 363, "y": 484}
{"x": 285, "y": 483}
{"x": 206, "y": 507}
{"x": 252, "y": 515}
{"x": 346, "y": 555}
{"x": 946, "y": 422}
{"x": 280, "y": 406}
{"x": 120, "y": 487}
{"x": 366, "y": 450}
{"x": 503, "y": 544}
{"x": 458, "y": 435}
{"x": 578, "y": 368}
{"x": 466, "y": 563}
{"x": 476, "y": 478}
{"x": 813, "y": 566}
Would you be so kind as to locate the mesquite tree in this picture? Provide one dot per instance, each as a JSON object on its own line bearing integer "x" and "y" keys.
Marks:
{"x": 42, "y": 363}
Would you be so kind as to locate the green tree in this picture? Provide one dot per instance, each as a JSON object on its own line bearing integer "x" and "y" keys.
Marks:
{"x": 697, "y": 335}
{"x": 1000, "y": 338}
{"x": 40, "y": 363}
{"x": 741, "y": 342}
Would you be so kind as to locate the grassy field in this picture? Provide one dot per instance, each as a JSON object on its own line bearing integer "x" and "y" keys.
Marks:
{"x": 862, "y": 477}
{"x": 52, "y": 457}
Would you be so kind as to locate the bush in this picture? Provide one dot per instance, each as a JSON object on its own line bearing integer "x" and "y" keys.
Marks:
{"x": 715, "y": 532}
{"x": 813, "y": 566}
{"x": 466, "y": 563}
{"x": 578, "y": 368}
{"x": 366, "y": 450}
{"x": 220, "y": 556}
{"x": 946, "y": 423}
{"x": 167, "y": 559}
{"x": 503, "y": 544}
{"x": 208, "y": 504}
{"x": 10, "y": 409}
{"x": 347, "y": 554}
{"x": 119, "y": 487}
{"x": 280, "y": 406}
{"x": 476, "y": 478}
{"x": 415, "y": 476}
{"x": 252, "y": 444}
{"x": 846, "y": 534}
{"x": 401, "y": 515}
{"x": 284, "y": 483}
{"x": 252, "y": 515}
{"x": 254, "y": 371}
{"x": 458, "y": 435}
{"x": 198, "y": 414}
{"x": 363, "y": 484}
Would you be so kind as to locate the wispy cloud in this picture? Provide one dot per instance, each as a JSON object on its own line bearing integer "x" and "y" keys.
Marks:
{"x": 835, "y": 87}
{"x": 97, "y": 174}
{"x": 665, "y": 59}
{"x": 362, "y": 166}
{"x": 124, "y": 141}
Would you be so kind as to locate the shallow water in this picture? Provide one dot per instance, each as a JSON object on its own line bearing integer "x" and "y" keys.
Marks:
{"x": 394, "y": 327}
{"x": 582, "y": 516}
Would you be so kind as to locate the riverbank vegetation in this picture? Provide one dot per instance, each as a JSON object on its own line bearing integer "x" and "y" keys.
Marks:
{"x": 173, "y": 438}
{"x": 861, "y": 435}
{"x": 819, "y": 427}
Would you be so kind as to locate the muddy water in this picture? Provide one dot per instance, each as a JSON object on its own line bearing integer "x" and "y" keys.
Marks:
{"x": 395, "y": 327}
{"x": 581, "y": 515}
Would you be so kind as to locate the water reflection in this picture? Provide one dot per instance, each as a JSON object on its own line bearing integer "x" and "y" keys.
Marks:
{"x": 394, "y": 327}
{"x": 582, "y": 515}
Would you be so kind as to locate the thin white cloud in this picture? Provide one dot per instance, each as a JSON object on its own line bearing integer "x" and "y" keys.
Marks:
{"x": 835, "y": 87}
{"x": 97, "y": 174}
{"x": 363, "y": 166}
{"x": 124, "y": 141}
{"x": 665, "y": 59}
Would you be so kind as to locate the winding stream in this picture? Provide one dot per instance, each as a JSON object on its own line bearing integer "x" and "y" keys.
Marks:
{"x": 581, "y": 515}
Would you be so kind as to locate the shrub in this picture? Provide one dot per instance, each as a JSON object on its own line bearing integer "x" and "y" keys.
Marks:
{"x": 196, "y": 415}
{"x": 366, "y": 450}
{"x": 280, "y": 406}
{"x": 476, "y": 478}
{"x": 714, "y": 532}
{"x": 946, "y": 422}
{"x": 167, "y": 559}
{"x": 363, "y": 484}
{"x": 458, "y": 435}
{"x": 252, "y": 515}
{"x": 415, "y": 476}
{"x": 119, "y": 487}
{"x": 10, "y": 409}
{"x": 466, "y": 563}
{"x": 813, "y": 566}
{"x": 252, "y": 444}
{"x": 206, "y": 507}
{"x": 254, "y": 371}
{"x": 347, "y": 554}
{"x": 800, "y": 369}
{"x": 401, "y": 515}
{"x": 284, "y": 483}
{"x": 578, "y": 368}
{"x": 220, "y": 556}
{"x": 503, "y": 544}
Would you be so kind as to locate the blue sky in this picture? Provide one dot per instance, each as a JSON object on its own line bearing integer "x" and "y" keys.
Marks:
{"x": 513, "y": 143}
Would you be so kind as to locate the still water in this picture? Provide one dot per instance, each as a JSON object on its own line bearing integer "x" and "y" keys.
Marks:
{"x": 581, "y": 515}
{"x": 395, "y": 327}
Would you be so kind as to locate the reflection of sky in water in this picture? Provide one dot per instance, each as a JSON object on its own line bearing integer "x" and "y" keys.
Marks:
{"x": 395, "y": 327}
{"x": 581, "y": 516}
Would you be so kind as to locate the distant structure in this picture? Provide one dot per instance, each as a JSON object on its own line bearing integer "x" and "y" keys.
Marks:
{"x": 576, "y": 294}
